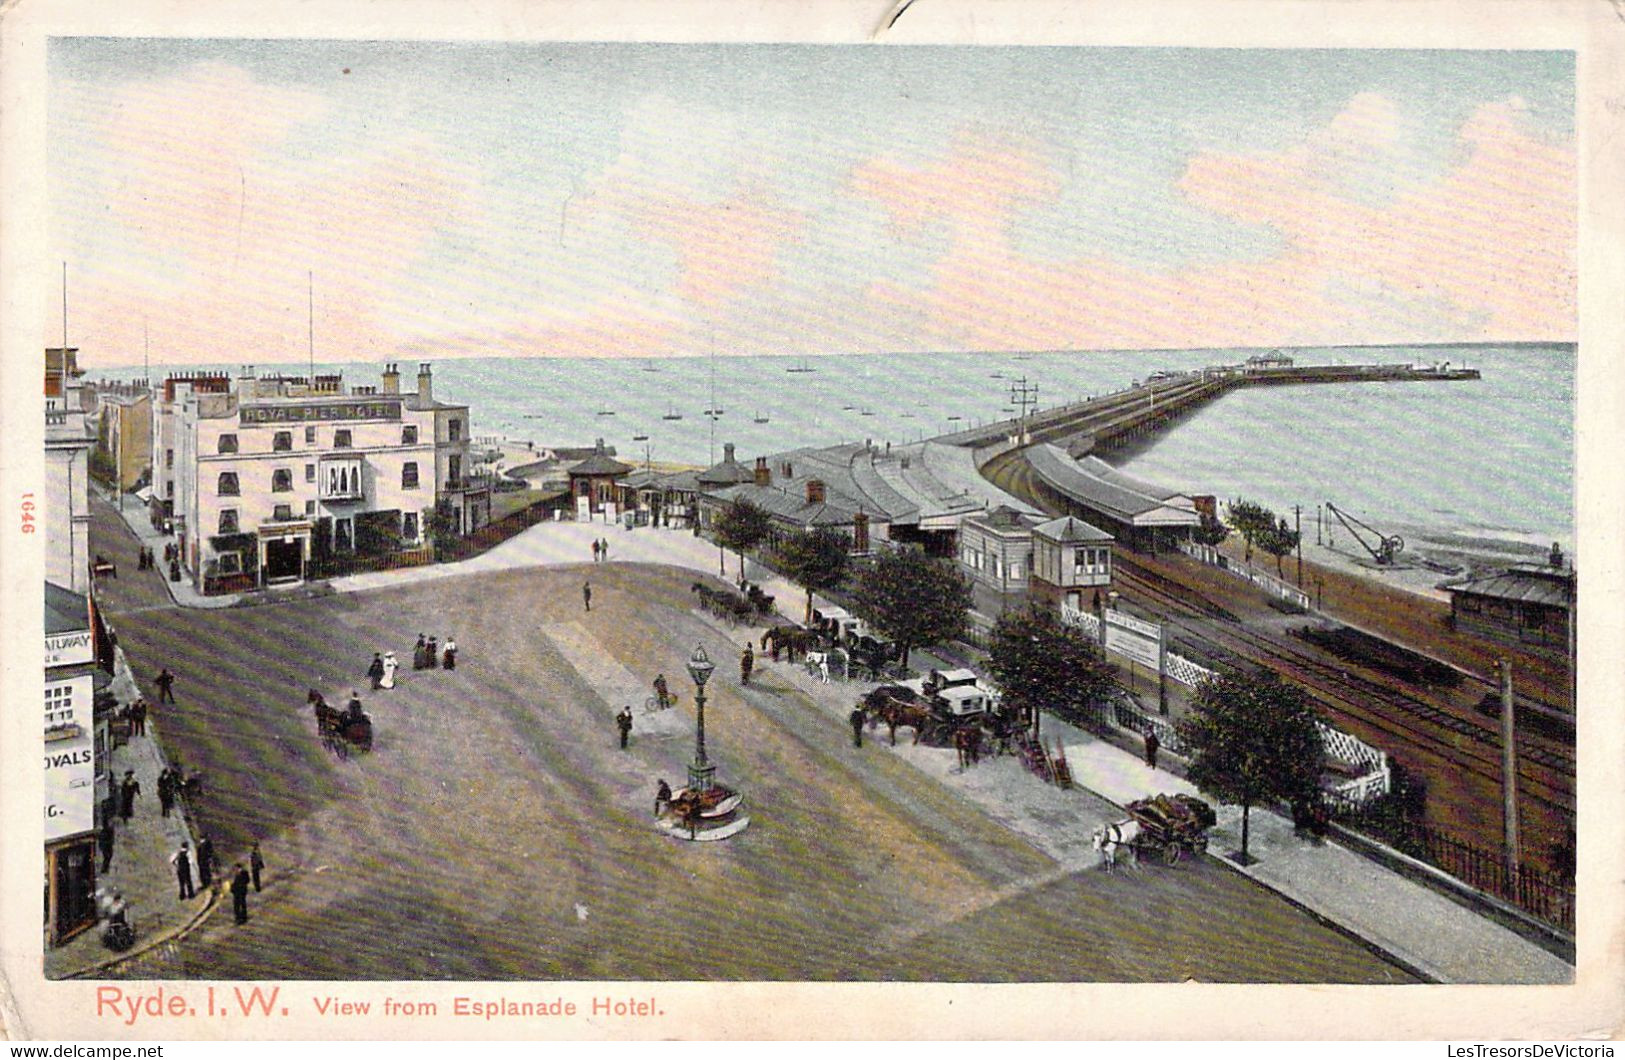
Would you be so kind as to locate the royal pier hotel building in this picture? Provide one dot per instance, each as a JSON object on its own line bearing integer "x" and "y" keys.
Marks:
{"x": 281, "y": 471}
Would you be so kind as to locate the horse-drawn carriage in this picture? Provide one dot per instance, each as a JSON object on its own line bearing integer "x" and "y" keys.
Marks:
{"x": 341, "y": 730}
{"x": 1169, "y": 826}
{"x": 734, "y": 608}
{"x": 939, "y": 708}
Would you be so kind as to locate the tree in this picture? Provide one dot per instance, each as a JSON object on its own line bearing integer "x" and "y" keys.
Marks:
{"x": 914, "y": 599}
{"x": 1252, "y": 739}
{"x": 741, "y": 526}
{"x": 1041, "y": 663}
{"x": 1279, "y": 541}
{"x": 814, "y": 560}
{"x": 1210, "y": 531}
{"x": 1251, "y": 520}
{"x": 440, "y": 526}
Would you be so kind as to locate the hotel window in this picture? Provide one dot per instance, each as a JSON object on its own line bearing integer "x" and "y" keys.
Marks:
{"x": 310, "y": 436}
{"x": 454, "y": 469}
{"x": 409, "y": 475}
{"x": 310, "y": 472}
{"x": 169, "y": 459}
{"x": 282, "y": 441}
{"x": 227, "y": 486}
{"x": 454, "y": 430}
{"x": 341, "y": 439}
{"x": 231, "y": 563}
{"x": 409, "y": 435}
{"x": 310, "y": 507}
{"x": 228, "y": 444}
{"x": 281, "y": 480}
{"x": 282, "y": 513}
{"x": 409, "y": 526}
{"x": 228, "y": 521}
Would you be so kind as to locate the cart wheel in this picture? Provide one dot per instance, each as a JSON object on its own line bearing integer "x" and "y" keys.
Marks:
{"x": 1170, "y": 854}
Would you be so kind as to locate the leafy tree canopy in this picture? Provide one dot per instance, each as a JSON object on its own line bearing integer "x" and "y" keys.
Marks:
{"x": 1252, "y": 739}
{"x": 1042, "y": 663}
{"x": 1250, "y": 519}
{"x": 913, "y": 598}
{"x": 815, "y": 559}
{"x": 740, "y": 527}
{"x": 1279, "y": 541}
{"x": 1211, "y": 531}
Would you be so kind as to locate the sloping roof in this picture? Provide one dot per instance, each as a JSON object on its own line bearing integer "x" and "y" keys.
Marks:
{"x": 1003, "y": 520}
{"x": 65, "y": 610}
{"x": 1069, "y": 530}
{"x": 642, "y": 478}
{"x": 1124, "y": 504}
{"x": 682, "y": 481}
{"x": 1522, "y": 586}
{"x": 1106, "y": 473}
{"x": 834, "y": 510}
{"x": 600, "y": 463}
{"x": 726, "y": 473}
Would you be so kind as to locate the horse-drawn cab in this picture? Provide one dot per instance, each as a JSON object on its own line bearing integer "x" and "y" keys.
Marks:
{"x": 937, "y": 707}
{"x": 341, "y": 730}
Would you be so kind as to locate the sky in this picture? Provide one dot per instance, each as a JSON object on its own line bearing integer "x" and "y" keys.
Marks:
{"x": 235, "y": 201}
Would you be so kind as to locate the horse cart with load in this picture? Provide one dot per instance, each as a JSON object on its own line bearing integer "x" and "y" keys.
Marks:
{"x": 341, "y": 731}
{"x": 1166, "y": 826}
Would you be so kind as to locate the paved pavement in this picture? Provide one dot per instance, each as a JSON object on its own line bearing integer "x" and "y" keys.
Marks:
{"x": 1414, "y": 925}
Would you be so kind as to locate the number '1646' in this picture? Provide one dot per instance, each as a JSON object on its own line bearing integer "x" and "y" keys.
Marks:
{"x": 27, "y": 511}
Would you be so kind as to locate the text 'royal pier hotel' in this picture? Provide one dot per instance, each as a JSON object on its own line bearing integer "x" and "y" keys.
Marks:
{"x": 281, "y": 469}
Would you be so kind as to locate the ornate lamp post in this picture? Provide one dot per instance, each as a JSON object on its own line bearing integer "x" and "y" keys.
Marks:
{"x": 701, "y": 773}
{"x": 705, "y": 810}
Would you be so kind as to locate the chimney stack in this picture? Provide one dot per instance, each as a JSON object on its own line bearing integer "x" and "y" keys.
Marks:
{"x": 392, "y": 379}
{"x": 815, "y": 491}
{"x": 727, "y": 452}
{"x": 763, "y": 476}
{"x": 425, "y": 384}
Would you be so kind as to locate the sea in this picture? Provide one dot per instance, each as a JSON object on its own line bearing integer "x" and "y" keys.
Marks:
{"x": 1462, "y": 470}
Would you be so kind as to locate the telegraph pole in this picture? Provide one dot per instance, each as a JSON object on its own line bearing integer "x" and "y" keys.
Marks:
{"x": 1024, "y": 396}
{"x": 1509, "y": 772}
{"x": 1297, "y": 524}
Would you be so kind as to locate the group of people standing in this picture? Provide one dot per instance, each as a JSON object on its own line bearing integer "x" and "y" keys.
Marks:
{"x": 242, "y": 876}
{"x": 427, "y": 654}
{"x": 600, "y": 550}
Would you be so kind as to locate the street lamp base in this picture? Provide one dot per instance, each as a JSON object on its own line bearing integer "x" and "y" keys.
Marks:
{"x": 705, "y": 814}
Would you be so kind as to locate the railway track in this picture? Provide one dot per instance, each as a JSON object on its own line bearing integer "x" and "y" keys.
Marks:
{"x": 1545, "y": 767}
{"x": 1457, "y": 738}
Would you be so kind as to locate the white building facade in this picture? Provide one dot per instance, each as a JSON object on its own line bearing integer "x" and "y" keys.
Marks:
{"x": 283, "y": 471}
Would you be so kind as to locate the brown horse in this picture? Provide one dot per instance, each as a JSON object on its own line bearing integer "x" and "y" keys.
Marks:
{"x": 887, "y": 704}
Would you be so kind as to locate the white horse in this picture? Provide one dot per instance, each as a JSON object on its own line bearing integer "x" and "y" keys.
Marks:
{"x": 818, "y": 663}
{"x": 1108, "y": 838}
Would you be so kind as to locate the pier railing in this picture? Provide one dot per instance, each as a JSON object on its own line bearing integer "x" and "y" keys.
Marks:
{"x": 1269, "y": 583}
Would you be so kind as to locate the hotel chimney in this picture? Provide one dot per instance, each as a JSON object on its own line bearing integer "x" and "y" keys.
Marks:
{"x": 425, "y": 385}
{"x": 392, "y": 379}
{"x": 763, "y": 476}
{"x": 815, "y": 491}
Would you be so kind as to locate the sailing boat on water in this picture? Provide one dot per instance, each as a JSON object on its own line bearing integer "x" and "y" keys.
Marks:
{"x": 672, "y": 414}
{"x": 759, "y": 418}
{"x": 802, "y": 367}
{"x": 648, "y": 366}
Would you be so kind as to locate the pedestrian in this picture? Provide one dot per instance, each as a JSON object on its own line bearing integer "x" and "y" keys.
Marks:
{"x": 390, "y": 666}
{"x": 595, "y": 550}
{"x": 166, "y": 791}
{"x": 431, "y": 654}
{"x": 1152, "y": 744}
{"x": 586, "y": 595}
{"x": 138, "y": 717}
{"x": 174, "y": 570}
{"x": 128, "y": 791}
{"x": 239, "y": 894}
{"x": 375, "y": 671}
{"x": 205, "y": 862}
{"x": 449, "y": 656}
{"x": 182, "y": 860}
{"x": 623, "y": 722}
{"x": 662, "y": 695}
{"x": 856, "y": 720}
{"x": 662, "y": 796}
{"x": 603, "y": 549}
{"x": 166, "y": 684}
{"x": 256, "y": 864}
{"x": 747, "y": 663}
{"x": 417, "y": 652}
{"x": 104, "y": 839}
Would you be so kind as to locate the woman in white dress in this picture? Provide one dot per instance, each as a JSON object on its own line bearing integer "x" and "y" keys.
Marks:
{"x": 390, "y": 666}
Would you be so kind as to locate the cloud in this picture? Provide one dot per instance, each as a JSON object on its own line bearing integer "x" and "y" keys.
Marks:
{"x": 229, "y": 214}
{"x": 1484, "y": 251}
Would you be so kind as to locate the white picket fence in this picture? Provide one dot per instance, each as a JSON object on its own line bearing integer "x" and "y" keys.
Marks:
{"x": 1353, "y": 792}
{"x": 1267, "y": 582}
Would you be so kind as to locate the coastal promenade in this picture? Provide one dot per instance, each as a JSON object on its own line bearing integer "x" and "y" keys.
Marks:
{"x": 1414, "y": 927}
